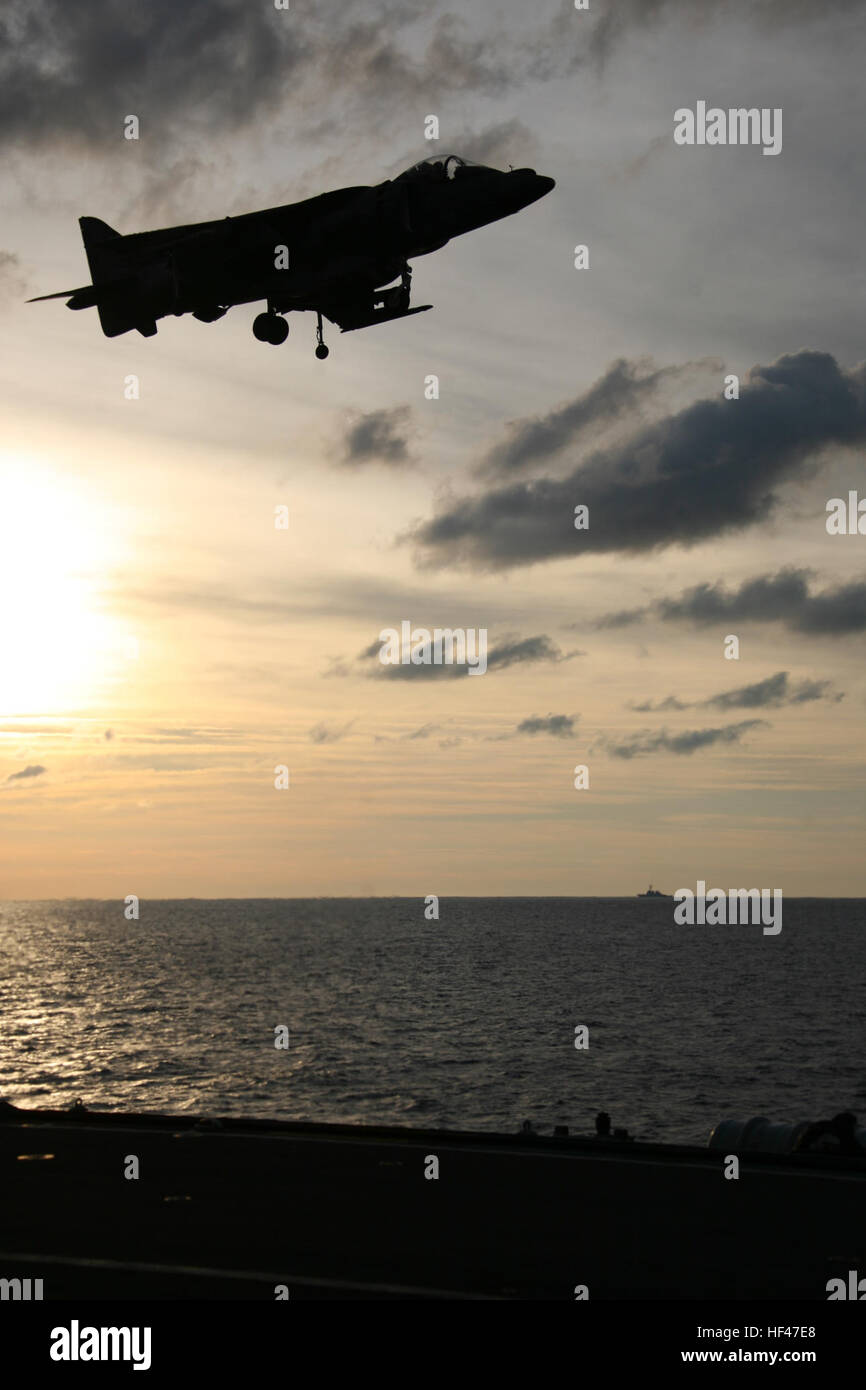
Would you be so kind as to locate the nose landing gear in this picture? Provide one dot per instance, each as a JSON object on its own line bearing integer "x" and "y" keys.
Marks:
{"x": 322, "y": 350}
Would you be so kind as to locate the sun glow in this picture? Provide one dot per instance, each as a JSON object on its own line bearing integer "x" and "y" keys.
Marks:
{"x": 55, "y": 543}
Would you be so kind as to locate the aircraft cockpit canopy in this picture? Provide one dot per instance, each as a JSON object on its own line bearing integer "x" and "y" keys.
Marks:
{"x": 441, "y": 170}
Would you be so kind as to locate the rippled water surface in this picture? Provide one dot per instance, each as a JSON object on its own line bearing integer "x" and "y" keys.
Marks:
{"x": 465, "y": 1022}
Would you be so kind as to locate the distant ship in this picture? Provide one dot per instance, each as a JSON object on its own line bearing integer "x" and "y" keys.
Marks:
{"x": 653, "y": 893}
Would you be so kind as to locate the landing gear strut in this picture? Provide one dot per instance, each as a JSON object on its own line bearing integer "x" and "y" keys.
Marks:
{"x": 405, "y": 288}
{"x": 270, "y": 328}
{"x": 322, "y": 351}
{"x": 396, "y": 300}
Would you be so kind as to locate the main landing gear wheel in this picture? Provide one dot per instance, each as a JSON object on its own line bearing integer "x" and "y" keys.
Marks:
{"x": 321, "y": 351}
{"x": 270, "y": 328}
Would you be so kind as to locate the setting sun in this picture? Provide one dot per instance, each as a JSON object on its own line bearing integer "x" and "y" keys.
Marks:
{"x": 53, "y": 548}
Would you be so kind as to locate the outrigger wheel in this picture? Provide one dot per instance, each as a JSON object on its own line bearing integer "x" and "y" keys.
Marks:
{"x": 322, "y": 351}
{"x": 270, "y": 328}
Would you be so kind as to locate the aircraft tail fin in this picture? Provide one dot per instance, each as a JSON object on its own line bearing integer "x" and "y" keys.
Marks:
{"x": 104, "y": 250}
{"x": 114, "y": 288}
{"x": 97, "y": 237}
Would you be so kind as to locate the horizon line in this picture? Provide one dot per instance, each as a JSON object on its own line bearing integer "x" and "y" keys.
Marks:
{"x": 414, "y": 897}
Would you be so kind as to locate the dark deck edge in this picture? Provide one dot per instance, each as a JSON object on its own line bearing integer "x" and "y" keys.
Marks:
{"x": 586, "y": 1145}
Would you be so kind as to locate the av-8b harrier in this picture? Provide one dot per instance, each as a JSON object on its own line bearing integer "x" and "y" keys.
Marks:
{"x": 336, "y": 255}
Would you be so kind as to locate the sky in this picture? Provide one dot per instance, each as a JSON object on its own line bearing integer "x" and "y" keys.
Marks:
{"x": 166, "y": 647}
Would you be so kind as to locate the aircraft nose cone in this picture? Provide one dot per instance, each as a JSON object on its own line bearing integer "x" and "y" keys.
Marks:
{"x": 532, "y": 186}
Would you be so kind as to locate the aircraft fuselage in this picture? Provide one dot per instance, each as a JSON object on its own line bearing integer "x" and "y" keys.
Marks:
{"x": 329, "y": 254}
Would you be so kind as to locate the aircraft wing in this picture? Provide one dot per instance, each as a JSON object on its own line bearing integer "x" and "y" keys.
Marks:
{"x": 351, "y": 308}
{"x": 350, "y": 317}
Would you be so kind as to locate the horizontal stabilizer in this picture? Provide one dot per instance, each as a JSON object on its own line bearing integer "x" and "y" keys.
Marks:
{"x": 61, "y": 294}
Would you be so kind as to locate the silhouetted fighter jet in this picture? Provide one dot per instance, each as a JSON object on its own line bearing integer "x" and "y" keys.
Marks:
{"x": 335, "y": 255}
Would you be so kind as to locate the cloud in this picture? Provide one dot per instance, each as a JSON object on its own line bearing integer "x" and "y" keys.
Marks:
{"x": 380, "y": 436}
{"x": 500, "y": 144}
{"x": 372, "y": 67}
{"x": 784, "y": 597}
{"x": 26, "y": 773}
{"x": 616, "y": 23}
{"x": 324, "y": 733}
{"x": 655, "y": 707}
{"x": 506, "y": 142}
{"x": 710, "y": 469}
{"x": 77, "y": 70}
{"x": 638, "y": 164}
{"x": 198, "y": 736}
{"x": 622, "y": 617}
{"x": 520, "y": 650}
{"x": 773, "y": 692}
{"x": 508, "y": 651}
{"x": 557, "y": 725}
{"x": 169, "y": 189}
{"x": 70, "y": 73}
{"x": 623, "y": 388}
{"x": 13, "y": 281}
{"x": 425, "y": 731}
{"x": 683, "y": 744}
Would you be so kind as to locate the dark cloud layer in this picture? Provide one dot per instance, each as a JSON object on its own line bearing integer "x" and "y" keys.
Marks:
{"x": 622, "y": 389}
{"x": 380, "y": 436}
{"x": 71, "y": 72}
{"x": 684, "y": 744}
{"x": 774, "y": 692}
{"x": 784, "y": 597}
{"x": 713, "y": 468}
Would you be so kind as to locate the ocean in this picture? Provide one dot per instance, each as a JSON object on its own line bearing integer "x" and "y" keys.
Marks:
{"x": 467, "y": 1022}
